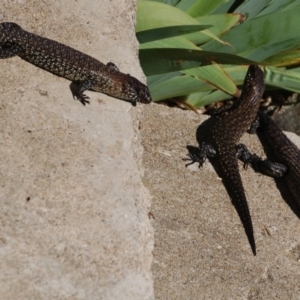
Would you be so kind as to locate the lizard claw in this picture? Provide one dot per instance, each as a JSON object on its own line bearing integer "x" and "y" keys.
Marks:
{"x": 194, "y": 158}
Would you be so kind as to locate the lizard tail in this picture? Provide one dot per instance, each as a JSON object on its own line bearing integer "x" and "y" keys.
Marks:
{"x": 234, "y": 187}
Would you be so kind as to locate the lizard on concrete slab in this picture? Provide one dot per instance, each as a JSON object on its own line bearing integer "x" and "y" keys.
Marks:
{"x": 229, "y": 126}
{"x": 278, "y": 148}
{"x": 84, "y": 71}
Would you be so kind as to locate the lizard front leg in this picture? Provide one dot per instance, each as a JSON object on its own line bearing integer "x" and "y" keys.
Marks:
{"x": 79, "y": 87}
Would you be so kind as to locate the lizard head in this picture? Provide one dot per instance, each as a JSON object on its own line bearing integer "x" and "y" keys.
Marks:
{"x": 136, "y": 91}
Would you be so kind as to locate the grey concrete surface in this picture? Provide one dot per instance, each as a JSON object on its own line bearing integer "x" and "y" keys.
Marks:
{"x": 201, "y": 250}
{"x": 74, "y": 212}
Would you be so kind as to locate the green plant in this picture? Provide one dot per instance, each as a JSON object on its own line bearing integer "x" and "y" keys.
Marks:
{"x": 199, "y": 50}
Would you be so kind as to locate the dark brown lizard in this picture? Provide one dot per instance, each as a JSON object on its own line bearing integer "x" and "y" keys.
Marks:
{"x": 278, "y": 148}
{"x": 83, "y": 70}
{"x": 229, "y": 126}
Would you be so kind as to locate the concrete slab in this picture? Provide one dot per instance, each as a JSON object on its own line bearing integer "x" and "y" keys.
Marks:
{"x": 73, "y": 208}
{"x": 201, "y": 250}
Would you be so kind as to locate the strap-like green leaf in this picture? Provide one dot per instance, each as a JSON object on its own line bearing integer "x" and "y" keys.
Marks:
{"x": 157, "y": 61}
{"x": 196, "y": 8}
{"x": 257, "y": 34}
{"x": 166, "y": 32}
{"x": 156, "y": 15}
{"x": 215, "y": 76}
{"x": 281, "y": 78}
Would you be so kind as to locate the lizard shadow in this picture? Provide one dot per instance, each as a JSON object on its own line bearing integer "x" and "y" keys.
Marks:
{"x": 203, "y": 133}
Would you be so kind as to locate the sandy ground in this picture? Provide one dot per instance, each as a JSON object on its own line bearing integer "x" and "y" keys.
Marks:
{"x": 74, "y": 212}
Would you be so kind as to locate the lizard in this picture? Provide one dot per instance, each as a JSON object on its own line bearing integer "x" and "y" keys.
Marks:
{"x": 263, "y": 166}
{"x": 230, "y": 124}
{"x": 280, "y": 148}
{"x": 85, "y": 72}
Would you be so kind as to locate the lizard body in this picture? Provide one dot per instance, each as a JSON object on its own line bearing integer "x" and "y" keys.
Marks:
{"x": 83, "y": 70}
{"x": 281, "y": 149}
{"x": 230, "y": 124}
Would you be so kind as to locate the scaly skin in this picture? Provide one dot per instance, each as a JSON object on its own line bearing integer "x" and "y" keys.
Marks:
{"x": 283, "y": 150}
{"x": 263, "y": 166}
{"x": 229, "y": 126}
{"x": 85, "y": 71}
